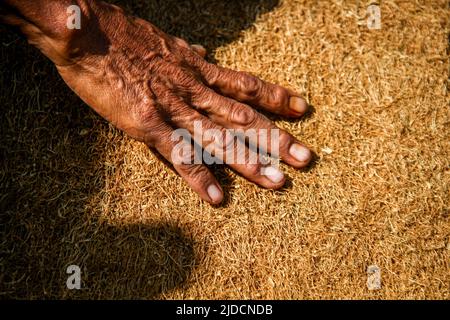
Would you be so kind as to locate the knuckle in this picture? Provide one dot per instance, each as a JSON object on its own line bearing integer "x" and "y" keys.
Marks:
{"x": 177, "y": 76}
{"x": 199, "y": 49}
{"x": 181, "y": 42}
{"x": 278, "y": 96}
{"x": 284, "y": 141}
{"x": 211, "y": 73}
{"x": 228, "y": 142}
{"x": 195, "y": 172}
{"x": 206, "y": 99}
{"x": 254, "y": 169}
{"x": 249, "y": 85}
{"x": 217, "y": 139}
{"x": 241, "y": 114}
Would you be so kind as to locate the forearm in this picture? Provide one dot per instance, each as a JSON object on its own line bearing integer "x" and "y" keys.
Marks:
{"x": 45, "y": 24}
{"x": 49, "y": 16}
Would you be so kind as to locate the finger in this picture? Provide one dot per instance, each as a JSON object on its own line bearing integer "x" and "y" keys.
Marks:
{"x": 225, "y": 147}
{"x": 199, "y": 49}
{"x": 229, "y": 113}
{"x": 197, "y": 175}
{"x": 247, "y": 88}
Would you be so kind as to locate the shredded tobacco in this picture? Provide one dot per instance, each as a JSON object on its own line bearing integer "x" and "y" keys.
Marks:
{"x": 74, "y": 190}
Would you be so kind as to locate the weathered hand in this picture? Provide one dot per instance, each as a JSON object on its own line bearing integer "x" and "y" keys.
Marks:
{"x": 148, "y": 84}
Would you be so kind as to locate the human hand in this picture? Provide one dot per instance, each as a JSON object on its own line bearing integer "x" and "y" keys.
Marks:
{"x": 149, "y": 84}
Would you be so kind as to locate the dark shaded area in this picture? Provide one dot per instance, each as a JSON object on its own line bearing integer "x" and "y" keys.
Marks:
{"x": 205, "y": 22}
{"x": 136, "y": 262}
{"x": 50, "y": 172}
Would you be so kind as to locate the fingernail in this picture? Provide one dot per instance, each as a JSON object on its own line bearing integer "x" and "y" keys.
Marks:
{"x": 300, "y": 153}
{"x": 214, "y": 193}
{"x": 273, "y": 174}
{"x": 298, "y": 104}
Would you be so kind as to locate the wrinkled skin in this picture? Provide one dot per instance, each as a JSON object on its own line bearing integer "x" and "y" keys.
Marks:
{"x": 148, "y": 83}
